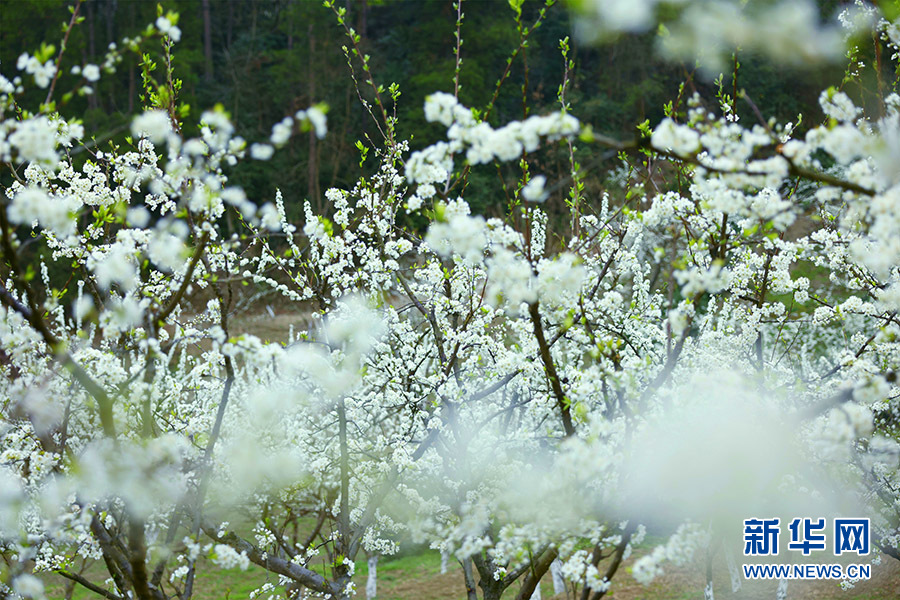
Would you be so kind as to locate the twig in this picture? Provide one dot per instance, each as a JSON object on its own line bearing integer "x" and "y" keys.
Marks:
{"x": 62, "y": 50}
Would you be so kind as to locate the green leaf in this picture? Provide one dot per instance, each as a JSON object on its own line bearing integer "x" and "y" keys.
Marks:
{"x": 586, "y": 134}
{"x": 890, "y": 9}
{"x": 45, "y": 53}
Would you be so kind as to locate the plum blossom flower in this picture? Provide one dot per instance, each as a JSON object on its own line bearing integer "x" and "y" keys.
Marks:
{"x": 56, "y": 213}
{"x": 461, "y": 234}
{"x": 35, "y": 141}
{"x": 534, "y": 189}
{"x": 166, "y": 27}
{"x": 155, "y": 125}
{"x": 227, "y": 557}
{"x": 91, "y": 72}
{"x": 42, "y": 73}
{"x": 115, "y": 267}
{"x": 28, "y": 586}
{"x": 319, "y": 121}
{"x": 261, "y": 151}
{"x": 680, "y": 139}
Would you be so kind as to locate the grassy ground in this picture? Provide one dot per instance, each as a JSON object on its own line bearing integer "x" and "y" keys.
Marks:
{"x": 418, "y": 577}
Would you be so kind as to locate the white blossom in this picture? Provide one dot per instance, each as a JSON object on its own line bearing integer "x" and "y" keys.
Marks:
{"x": 680, "y": 139}
{"x": 91, "y": 72}
{"x": 153, "y": 124}
{"x": 534, "y": 189}
{"x": 261, "y": 151}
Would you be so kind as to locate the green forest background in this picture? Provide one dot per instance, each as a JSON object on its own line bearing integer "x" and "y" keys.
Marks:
{"x": 265, "y": 59}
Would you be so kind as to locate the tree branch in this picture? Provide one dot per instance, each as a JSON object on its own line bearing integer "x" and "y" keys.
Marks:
{"x": 87, "y": 584}
{"x": 175, "y": 299}
{"x": 266, "y": 560}
{"x": 535, "y": 573}
{"x": 550, "y": 368}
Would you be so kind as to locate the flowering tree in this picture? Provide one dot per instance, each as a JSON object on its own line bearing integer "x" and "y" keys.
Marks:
{"x": 733, "y": 310}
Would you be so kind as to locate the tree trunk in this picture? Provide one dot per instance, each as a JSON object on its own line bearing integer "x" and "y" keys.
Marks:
{"x": 559, "y": 584}
{"x": 229, "y": 28}
{"x": 531, "y": 586}
{"x": 312, "y": 185}
{"x": 491, "y": 592}
{"x": 110, "y": 20}
{"x": 92, "y": 40}
{"x": 207, "y": 42}
{"x": 132, "y": 76}
{"x": 445, "y": 558}
{"x": 93, "y": 100}
{"x": 372, "y": 579}
{"x": 471, "y": 592}
{"x": 734, "y": 571}
{"x": 781, "y": 592}
{"x": 290, "y": 40}
{"x": 363, "y": 23}
{"x": 708, "y": 590}
{"x": 491, "y": 589}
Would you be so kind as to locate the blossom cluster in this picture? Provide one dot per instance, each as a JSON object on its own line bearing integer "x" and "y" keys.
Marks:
{"x": 431, "y": 377}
